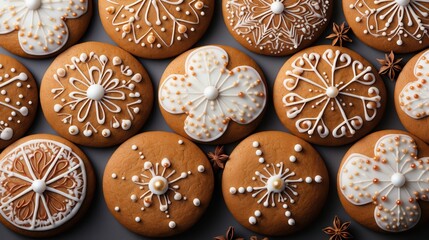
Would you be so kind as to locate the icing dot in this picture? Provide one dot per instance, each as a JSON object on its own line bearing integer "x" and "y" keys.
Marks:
{"x": 292, "y": 159}
{"x": 105, "y": 133}
{"x": 95, "y": 92}
{"x": 133, "y": 198}
{"x": 252, "y": 220}
{"x": 201, "y": 168}
{"x": 277, "y": 7}
{"x": 134, "y": 147}
{"x": 249, "y": 189}
{"x": 402, "y": 2}
{"x": 258, "y": 152}
{"x": 117, "y": 209}
{"x": 180, "y": 142}
{"x": 196, "y": 202}
{"x": 258, "y": 213}
{"x": 73, "y": 130}
{"x": 33, "y": 4}
{"x": 261, "y": 160}
{"x": 241, "y": 190}
{"x": 297, "y": 148}
{"x": 291, "y": 222}
{"x": 172, "y": 224}
{"x": 232, "y": 190}
{"x": 38, "y": 186}
{"x": 288, "y": 213}
{"x": 308, "y": 180}
{"x": 398, "y": 180}
{"x": 255, "y": 144}
{"x": 318, "y": 179}
{"x": 114, "y": 176}
{"x": 135, "y": 178}
{"x": 211, "y": 93}
{"x": 332, "y": 92}
{"x": 137, "y": 219}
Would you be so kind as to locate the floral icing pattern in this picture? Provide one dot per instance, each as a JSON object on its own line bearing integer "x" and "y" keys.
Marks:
{"x": 212, "y": 95}
{"x": 277, "y": 25}
{"x": 43, "y": 184}
{"x": 393, "y": 19}
{"x": 143, "y": 22}
{"x": 41, "y": 24}
{"x": 275, "y": 185}
{"x": 328, "y": 95}
{"x": 414, "y": 97}
{"x": 97, "y": 90}
{"x": 394, "y": 180}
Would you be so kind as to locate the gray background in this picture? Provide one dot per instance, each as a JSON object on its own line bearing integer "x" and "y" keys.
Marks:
{"x": 99, "y": 224}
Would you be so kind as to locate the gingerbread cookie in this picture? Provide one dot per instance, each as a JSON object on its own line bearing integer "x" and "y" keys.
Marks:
{"x": 329, "y": 95}
{"x": 208, "y": 97}
{"x": 96, "y": 94}
{"x": 18, "y": 100}
{"x": 383, "y": 181}
{"x": 412, "y": 95}
{"x": 42, "y": 28}
{"x": 156, "y": 29}
{"x": 391, "y": 25}
{"x": 46, "y": 185}
{"x": 276, "y": 27}
{"x": 273, "y": 182}
{"x": 158, "y": 184}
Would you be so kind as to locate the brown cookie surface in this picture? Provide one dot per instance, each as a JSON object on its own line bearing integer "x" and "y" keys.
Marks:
{"x": 275, "y": 183}
{"x": 383, "y": 181}
{"x": 329, "y": 95}
{"x": 394, "y": 25}
{"x": 47, "y": 185}
{"x": 18, "y": 100}
{"x": 156, "y": 29}
{"x": 158, "y": 184}
{"x": 412, "y": 96}
{"x": 96, "y": 94}
{"x": 41, "y": 29}
{"x": 276, "y": 27}
{"x": 213, "y": 94}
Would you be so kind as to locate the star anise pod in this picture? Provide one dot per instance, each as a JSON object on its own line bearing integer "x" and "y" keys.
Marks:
{"x": 339, "y": 34}
{"x": 218, "y": 158}
{"x": 256, "y": 238}
{"x": 229, "y": 235}
{"x": 390, "y": 66}
{"x": 338, "y": 231}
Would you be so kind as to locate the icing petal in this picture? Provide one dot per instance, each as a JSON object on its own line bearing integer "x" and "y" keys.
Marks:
{"x": 173, "y": 94}
{"x": 205, "y": 63}
{"x": 10, "y": 15}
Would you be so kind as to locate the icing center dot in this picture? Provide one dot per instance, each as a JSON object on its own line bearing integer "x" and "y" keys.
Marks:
{"x": 332, "y": 92}
{"x": 158, "y": 185}
{"x": 33, "y": 4}
{"x": 39, "y": 186}
{"x": 398, "y": 180}
{"x": 403, "y": 2}
{"x": 95, "y": 92}
{"x": 276, "y": 184}
{"x": 211, "y": 93}
{"x": 277, "y": 7}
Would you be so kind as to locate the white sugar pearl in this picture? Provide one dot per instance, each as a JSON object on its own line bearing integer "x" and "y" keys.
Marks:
{"x": 297, "y": 148}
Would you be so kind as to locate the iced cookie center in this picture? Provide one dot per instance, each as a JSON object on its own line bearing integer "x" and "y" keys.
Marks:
{"x": 403, "y": 2}
{"x": 398, "y": 180}
{"x": 33, "y": 4}
{"x": 39, "y": 186}
{"x": 211, "y": 93}
{"x": 277, "y": 7}
{"x": 95, "y": 92}
{"x": 158, "y": 185}
{"x": 332, "y": 92}
{"x": 276, "y": 184}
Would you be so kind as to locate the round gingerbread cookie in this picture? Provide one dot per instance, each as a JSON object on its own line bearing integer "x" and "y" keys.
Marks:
{"x": 383, "y": 181}
{"x": 276, "y": 27}
{"x": 329, "y": 95}
{"x": 213, "y": 94}
{"x": 95, "y": 94}
{"x": 275, "y": 183}
{"x": 156, "y": 29}
{"x": 46, "y": 185}
{"x": 390, "y": 25}
{"x": 412, "y": 95}
{"x": 18, "y": 100}
{"x": 158, "y": 184}
{"x": 42, "y": 28}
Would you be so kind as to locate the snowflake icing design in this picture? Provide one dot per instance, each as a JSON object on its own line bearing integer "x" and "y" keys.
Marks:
{"x": 43, "y": 184}
{"x": 277, "y": 25}
{"x": 414, "y": 97}
{"x": 275, "y": 185}
{"x": 326, "y": 93}
{"x": 40, "y": 24}
{"x": 394, "y": 180}
{"x": 97, "y": 90}
{"x": 137, "y": 23}
{"x": 403, "y": 19}
{"x": 211, "y": 95}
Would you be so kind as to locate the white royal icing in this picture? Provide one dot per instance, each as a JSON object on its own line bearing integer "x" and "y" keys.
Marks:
{"x": 394, "y": 179}
{"x": 33, "y": 176}
{"x": 277, "y": 25}
{"x": 41, "y": 24}
{"x": 330, "y": 94}
{"x": 212, "y": 95}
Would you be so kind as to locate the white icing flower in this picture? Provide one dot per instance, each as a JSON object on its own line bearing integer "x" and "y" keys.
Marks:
{"x": 330, "y": 93}
{"x": 394, "y": 19}
{"x": 394, "y": 179}
{"x": 211, "y": 95}
{"x": 414, "y": 97}
{"x": 277, "y": 24}
{"x": 40, "y": 24}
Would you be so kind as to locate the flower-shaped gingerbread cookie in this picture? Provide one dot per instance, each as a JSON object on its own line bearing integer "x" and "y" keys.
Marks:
{"x": 211, "y": 95}
{"x": 394, "y": 179}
